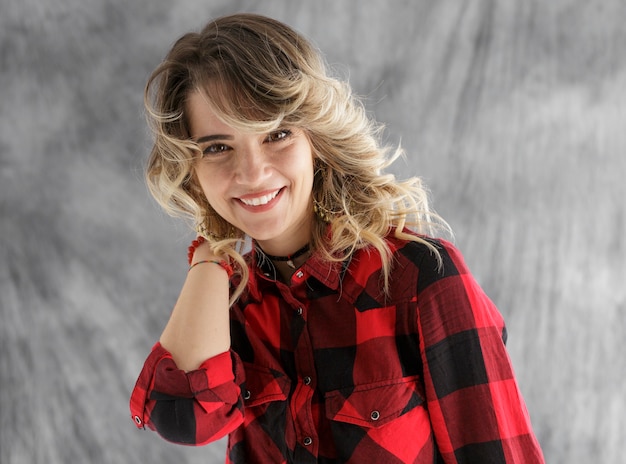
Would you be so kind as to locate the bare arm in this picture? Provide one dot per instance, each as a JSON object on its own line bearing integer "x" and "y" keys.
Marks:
{"x": 198, "y": 328}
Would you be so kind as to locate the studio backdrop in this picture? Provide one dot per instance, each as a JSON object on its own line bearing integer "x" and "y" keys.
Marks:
{"x": 512, "y": 112}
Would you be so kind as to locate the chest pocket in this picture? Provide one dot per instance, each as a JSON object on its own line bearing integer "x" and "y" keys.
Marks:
{"x": 374, "y": 404}
{"x": 264, "y": 385}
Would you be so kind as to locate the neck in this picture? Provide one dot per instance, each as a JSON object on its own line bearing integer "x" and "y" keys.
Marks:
{"x": 292, "y": 260}
{"x": 284, "y": 246}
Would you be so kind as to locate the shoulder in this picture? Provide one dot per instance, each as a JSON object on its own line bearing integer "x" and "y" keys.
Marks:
{"x": 432, "y": 259}
{"x": 427, "y": 252}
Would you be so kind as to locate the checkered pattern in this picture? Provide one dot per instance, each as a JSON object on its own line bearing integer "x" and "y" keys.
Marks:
{"x": 328, "y": 370}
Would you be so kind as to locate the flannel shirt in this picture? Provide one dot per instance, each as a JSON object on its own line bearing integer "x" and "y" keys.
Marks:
{"x": 329, "y": 370}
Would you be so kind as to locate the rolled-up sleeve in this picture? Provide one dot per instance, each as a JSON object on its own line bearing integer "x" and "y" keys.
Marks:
{"x": 193, "y": 408}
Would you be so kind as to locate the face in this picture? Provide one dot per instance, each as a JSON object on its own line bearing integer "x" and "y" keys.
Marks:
{"x": 260, "y": 183}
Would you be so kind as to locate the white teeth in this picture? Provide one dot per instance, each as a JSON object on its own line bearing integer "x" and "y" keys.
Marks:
{"x": 260, "y": 200}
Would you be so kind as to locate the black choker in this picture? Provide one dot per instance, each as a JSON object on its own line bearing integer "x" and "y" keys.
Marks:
{"x": 289, "y": 258}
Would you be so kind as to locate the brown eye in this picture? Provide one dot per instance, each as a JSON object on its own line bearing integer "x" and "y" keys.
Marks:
{"x": 215, "y": 149}
{"x": 278, "y": 135}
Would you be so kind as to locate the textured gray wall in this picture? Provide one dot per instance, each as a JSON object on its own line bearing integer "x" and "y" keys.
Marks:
{"x": 512, "y": 111}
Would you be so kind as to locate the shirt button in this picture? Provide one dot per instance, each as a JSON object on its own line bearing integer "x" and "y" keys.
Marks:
{"x": 138, "y": 420}
{"x": 299, "y": 311}
{"x": 307, "y": 441}
{"x": 375, "y": 415}
{"x": 246, "y": 395}
{"x": 307, "y": 380}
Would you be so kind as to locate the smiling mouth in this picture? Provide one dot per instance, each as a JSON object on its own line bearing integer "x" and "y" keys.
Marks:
{"x": 260, "y": 201}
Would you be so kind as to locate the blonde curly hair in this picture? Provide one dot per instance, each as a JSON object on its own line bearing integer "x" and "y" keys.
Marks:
{"x": 258, "y": 75}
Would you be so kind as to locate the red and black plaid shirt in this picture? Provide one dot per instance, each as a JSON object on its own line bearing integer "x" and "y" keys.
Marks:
{"x": 328, "y": 370}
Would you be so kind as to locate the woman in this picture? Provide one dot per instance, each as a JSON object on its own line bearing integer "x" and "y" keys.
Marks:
{"x": 320, "y": 321}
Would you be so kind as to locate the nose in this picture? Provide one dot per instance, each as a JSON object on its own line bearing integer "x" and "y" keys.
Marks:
{"x": 252, "y": 166}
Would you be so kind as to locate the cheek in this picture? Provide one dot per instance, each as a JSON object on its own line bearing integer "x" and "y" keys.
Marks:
{"x": 211, "y": 183}
{"x": 309, "y": 173}
{"x": 303, "y": 164}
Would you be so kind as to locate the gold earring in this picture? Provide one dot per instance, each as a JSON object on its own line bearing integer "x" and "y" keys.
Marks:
{"x": 322, "y": 212}
{"x": 205, "y": 228}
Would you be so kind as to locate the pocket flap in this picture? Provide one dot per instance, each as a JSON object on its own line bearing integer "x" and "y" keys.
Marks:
{"x": 263, "y": 385}
{"x": 374, "y": 404}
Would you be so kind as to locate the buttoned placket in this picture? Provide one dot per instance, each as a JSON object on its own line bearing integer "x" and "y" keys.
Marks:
{"x": 303, "y": 394}
{"x": 306, "y": 381}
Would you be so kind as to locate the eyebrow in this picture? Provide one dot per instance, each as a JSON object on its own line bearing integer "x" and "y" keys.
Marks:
{"x": 209, "y": 138}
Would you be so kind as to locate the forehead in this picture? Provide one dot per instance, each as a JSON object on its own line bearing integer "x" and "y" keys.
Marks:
{"x": 213, "y": 109}
{"x": 201, "y": 116}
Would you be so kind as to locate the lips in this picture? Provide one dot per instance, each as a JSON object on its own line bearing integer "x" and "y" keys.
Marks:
{"x": 259, "y": 200}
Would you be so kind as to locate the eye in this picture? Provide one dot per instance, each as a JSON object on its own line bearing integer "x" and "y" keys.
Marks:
{"x": 215, "y": 149}
{"x": 278, "y": 135}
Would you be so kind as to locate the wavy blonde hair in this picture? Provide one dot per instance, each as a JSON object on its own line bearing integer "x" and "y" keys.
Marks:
{"x": 259, "y": 74}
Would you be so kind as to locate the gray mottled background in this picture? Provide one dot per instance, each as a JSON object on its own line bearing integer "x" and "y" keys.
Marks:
{"x": 512, "y": 111}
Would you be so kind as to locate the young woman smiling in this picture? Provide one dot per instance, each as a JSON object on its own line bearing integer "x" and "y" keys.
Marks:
{"x": 347, "y": 332}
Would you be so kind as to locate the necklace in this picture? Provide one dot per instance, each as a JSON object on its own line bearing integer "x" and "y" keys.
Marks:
{"x": 289, "y": 258}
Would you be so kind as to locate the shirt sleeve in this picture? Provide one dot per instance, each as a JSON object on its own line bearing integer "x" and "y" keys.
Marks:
{"x": 193, "y": 408}
{"x": 476, "y": 409}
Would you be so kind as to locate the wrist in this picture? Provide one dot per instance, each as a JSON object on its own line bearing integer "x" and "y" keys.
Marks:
{"x": 200, "y": 252}
{"x": 195, "y": 244}
{"x": 221, "y": 263}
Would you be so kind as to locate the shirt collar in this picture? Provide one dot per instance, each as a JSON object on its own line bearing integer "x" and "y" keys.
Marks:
{"x": 329, "y": 273}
